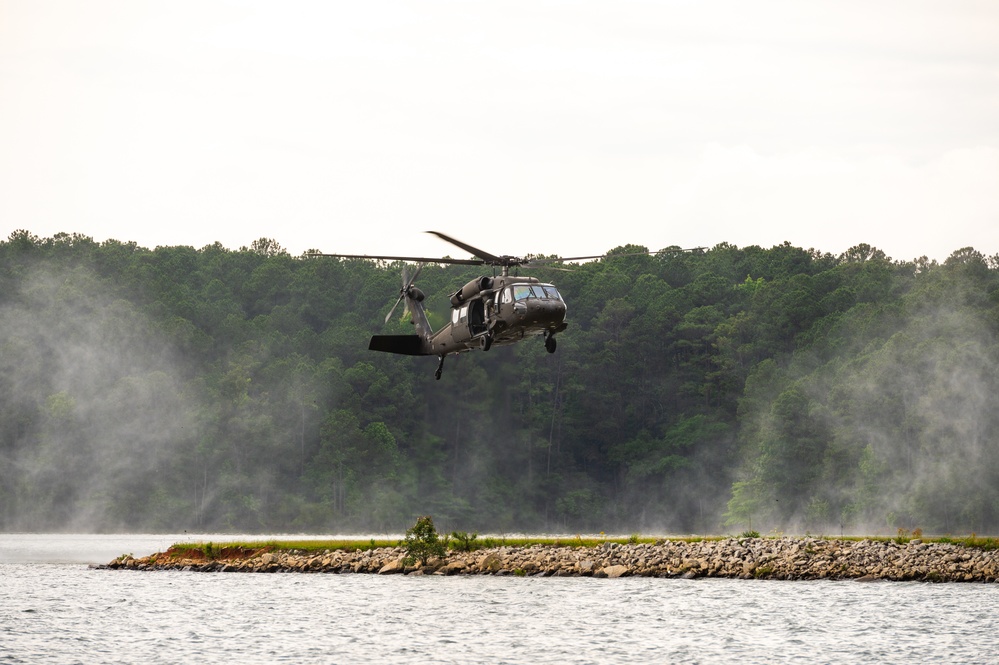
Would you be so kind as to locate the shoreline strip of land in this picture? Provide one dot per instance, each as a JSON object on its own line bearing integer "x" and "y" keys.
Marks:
{"x": 785, "y": 558}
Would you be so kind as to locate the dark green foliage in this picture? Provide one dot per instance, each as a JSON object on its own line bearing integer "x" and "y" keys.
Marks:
{"x": 422, "y": 542}
{"x": 215, "y": 389}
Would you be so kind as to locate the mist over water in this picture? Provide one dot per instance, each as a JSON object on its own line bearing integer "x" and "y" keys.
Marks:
{"x": 894, "y": 428}
{"x": 210, "y": 390}
{"x": 103, "y": 405}
{"x": 924, "y": 412}
{"x": 89, "y": 549}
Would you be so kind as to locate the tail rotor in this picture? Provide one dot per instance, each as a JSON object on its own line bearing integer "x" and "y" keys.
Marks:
{"x": 407, "y": 285}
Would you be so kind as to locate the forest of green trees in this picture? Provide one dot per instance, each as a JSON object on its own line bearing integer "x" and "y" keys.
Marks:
{"x": 714, "y": 391}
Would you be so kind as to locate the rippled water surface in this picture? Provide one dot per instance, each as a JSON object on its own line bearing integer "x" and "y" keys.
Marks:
{"x": 55, "y": 609}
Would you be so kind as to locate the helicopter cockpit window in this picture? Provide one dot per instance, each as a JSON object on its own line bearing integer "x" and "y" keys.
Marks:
{"x": 522, "y": 291}
{"x": 507, "y": 296}
{"x": 454, "y": 316}
{"x": 552, "y": 292}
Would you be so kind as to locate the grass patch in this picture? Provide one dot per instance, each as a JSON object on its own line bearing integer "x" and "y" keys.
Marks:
{"x": 973, "y": 541}
{"x": 306, "y": 546}
{"x": 472, "y": 543}
{"x": 467, "y": 543}
{"x": 491, "y": 542}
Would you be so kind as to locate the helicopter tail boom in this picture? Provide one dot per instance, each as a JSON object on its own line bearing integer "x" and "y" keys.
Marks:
{"x": 408, "y": 345}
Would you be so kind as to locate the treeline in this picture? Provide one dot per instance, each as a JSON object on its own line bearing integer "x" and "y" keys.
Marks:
{"x": 720, "y": 390}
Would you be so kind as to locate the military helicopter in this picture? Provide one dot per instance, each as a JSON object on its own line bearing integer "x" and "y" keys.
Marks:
{"x": 485, "y": 312}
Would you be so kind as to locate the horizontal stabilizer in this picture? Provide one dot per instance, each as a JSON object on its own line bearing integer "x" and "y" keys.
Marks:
{"x": 409, "y": 345}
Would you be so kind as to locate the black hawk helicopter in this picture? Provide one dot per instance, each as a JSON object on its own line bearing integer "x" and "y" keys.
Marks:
{"x": 486, "y": 312}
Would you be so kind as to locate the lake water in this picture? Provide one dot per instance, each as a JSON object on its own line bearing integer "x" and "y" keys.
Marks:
{"x": 55, "y": 609}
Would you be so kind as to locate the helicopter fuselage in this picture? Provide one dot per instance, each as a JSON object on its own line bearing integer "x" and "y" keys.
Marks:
{"x": 492, "y": 311}
{"x": 486, "y": 312}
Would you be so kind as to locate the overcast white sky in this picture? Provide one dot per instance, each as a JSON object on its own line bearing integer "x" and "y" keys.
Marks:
{"x": 518, "y": 126}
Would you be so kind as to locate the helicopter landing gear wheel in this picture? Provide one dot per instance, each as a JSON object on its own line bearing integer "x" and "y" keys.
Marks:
{"x": 487, "y": 341}
{"x": 550, "y": 344}
{"x": 440, "y": 368}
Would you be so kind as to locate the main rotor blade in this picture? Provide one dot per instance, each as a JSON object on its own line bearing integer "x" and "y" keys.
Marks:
{"x": 538, "y": 262}
{"x": 570, "y": 258}
{"x": 475, "y": 251}
{"x": 414, "y": 259}
{"x": 492, "y": 259}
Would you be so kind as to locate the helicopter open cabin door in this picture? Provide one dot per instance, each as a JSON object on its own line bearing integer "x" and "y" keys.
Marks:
{"x": 468, "y": 321}
{"x": 476, "y": 317}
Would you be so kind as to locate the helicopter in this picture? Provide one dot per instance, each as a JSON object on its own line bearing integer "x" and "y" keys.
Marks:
{"x": 488, "y": 311}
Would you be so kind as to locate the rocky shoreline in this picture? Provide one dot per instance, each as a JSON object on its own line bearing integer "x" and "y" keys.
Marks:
{"x": 744, "y": 558}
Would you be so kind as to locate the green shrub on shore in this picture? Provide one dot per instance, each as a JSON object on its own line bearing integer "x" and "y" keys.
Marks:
{"x": 422, "y": 542}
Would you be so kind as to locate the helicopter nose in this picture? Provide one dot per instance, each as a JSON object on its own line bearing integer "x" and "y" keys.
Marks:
{"x": 549, "y": 310}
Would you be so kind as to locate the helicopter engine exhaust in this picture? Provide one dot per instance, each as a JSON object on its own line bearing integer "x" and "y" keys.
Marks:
{"x": 474, "y": 287}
